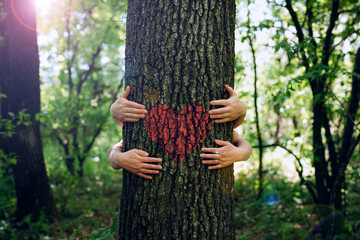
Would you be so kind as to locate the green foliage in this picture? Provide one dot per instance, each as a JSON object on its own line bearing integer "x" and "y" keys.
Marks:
{"x": 8, "y": 125}
{"x": 82, "y": 65}
{"x": 26, "y": 229}
{"x": 90, "y": 69}
{"x": 264, "y": 217}
{"x": 7, "y": 161}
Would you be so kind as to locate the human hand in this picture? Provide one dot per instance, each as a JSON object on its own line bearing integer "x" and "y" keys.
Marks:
{"x": 223, "y": 156}
{"x": 123, "y": 110}
{"x": 234, "y": 109}
{"x": 135, "y": 161}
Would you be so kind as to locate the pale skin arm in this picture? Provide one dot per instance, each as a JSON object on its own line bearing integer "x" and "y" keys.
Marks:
{"x": 135, "y": 161}
{"x": 123, "y": 110}
{"x": 227, "y": 154}
{"x": 139, "y": 163}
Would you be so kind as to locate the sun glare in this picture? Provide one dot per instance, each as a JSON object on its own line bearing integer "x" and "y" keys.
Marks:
{"x": 42, "y": 5}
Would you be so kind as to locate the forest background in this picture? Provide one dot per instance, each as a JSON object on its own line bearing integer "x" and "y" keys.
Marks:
{"x": 292, "y": 59}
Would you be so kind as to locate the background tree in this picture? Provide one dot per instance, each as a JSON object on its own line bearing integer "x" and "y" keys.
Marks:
{"x": 286, "y": 206}
{"x": 322, "y": 50}
{"x": 87, "y": 79}
{"x": 178, "y": 54}
{"x": 19, "y": 69}
{"x": 319, "y": 53}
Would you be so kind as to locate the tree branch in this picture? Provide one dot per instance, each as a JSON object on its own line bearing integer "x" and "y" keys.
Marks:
{"x": 255, "y": 102}
{"x": 328, "y": 37}
{"x": 310, "y": 15}
{"x": 299, "y": 33}
{"x": 352, "y": 109}
{"x": 65, "y": 146}
{"x": 299, "y": 171}
{"x": 98, "y": 130}
{"x": 350, "y": 117}
{"x": 84, "y": 76}
{"x": 331, "y": 146}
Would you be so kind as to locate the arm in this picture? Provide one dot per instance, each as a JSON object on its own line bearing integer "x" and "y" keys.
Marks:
{"x": 135, "y": 161}
{"x": 228, "y": 153}
{"x": 123, "y": 110}
{"x": 233, "y": 109}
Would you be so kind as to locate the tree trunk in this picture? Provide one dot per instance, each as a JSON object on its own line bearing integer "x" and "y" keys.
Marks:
{"x": 19, "y": 71}
{"x": 179, "y": 55}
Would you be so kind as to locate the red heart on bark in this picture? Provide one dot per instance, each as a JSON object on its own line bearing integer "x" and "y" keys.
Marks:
{"x": 177, "y": 133}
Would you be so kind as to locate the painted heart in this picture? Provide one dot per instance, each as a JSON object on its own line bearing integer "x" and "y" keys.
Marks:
{"x": 177, "y": 133}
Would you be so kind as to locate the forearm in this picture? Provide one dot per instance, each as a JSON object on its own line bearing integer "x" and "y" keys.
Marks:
{"x": 114, "y": 154}
{"x": 238, "y": 121}
{"x": 244, "y": 147}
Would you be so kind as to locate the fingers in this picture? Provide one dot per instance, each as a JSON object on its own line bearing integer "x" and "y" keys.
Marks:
{"x": 221, "y": 102}
{"x": 126, "y": 93}
{"x": 221, "y": 116}
{"x": 152, "y": 160}
{"x": 144, "y": 176}
{"x": 131, "y": 119}
{"x": 221, "y": 142}
{"x": 215, "y": 167}
{"x": 150, "y": 166}
{"x": 131, "y": 104}
{"x": 209, "y": 156}
{"x": 132, "y": 114}
{"x": 141, "y": 153}
{"x": 210, "y": 150}
{"x": 219, "y": 111}
{"x": 137, "y": 111}
{"x": 144, "y": 158}
{"x": 120, "y": 123}
{"x": 223, "y": 120}
{"x": 210, "y": 162}
{"x": 149, "y": 171}
{"x": 230, "y": 90}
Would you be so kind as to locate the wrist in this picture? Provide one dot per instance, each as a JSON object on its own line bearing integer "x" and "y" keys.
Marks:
{"x": 111, "y": 110}
{"x": 116, "y": 159}
{"x": 245, "y": 152}
{"x": 238, "y": 121}
{"x": 113, "y": 155}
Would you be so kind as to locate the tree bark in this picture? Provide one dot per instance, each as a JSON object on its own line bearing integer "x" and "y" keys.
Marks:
{"x": 179, "y": 54}
{"x": 19, "y": 73}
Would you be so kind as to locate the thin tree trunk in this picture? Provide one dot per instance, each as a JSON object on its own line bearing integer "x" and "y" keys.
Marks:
{"x": 349, "y": 142}
{"x": 258, "y": 131}
{"x": 20, "y": 82}
{"x": 178, "y": 54}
